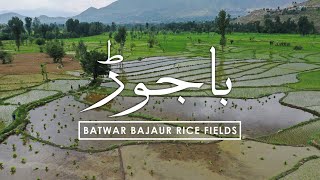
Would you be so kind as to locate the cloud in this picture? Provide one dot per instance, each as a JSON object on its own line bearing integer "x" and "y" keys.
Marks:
{"x": 53, "y": 7}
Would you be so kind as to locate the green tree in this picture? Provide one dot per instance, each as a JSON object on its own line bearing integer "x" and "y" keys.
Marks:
{"x": 121, "y": 37}
{"x": 36, "y": 25}
{"x": 278, "y": 25}
{"x": 44, "y": 28}
{"x": 69, "y": 25}
{"x": 16, "y": 27}
{"x": 40, "y": 42}
{"x": 56, "y": 51}
{"x": 81, "y": 50}
{"x": 113, "y": 27}
{"x": 269, "y": 25}
{"x": 222, "y": 23}
{"x": 91, "y": 65}
{"x": 152, "y": 40}
{"x": 44, "y": 72}
{"x": 305, "y": 26}
{"x": 28, "y": 25}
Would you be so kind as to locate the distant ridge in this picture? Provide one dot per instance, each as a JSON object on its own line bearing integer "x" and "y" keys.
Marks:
{"x": 311, "y": 11}
{"x": 4, "y": 18}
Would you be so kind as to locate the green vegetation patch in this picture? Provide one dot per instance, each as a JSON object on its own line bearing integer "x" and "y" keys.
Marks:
{"x": 304, "y": 99}
{"x": 245, "y": 46}
{"x": 63, "y": 85}
{"x": 300, "y": 134}
{"x": 6, "y": 94}
{"x": 309, "y": 170}
{"x": 30, "y": 96}
{"x": 283, "y": 69}
{"x": 16, "y": 86}
{"x": 256, "y": 92}
{"x": 308, "y": 81}
{"x": 272, "y": 81}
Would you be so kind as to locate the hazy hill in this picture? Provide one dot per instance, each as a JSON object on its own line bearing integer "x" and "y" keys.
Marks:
{"x": 312, "y": 3}
{"x": 312, "y": 11}
{"x": 4, "y": 18}
{"x": 141, "y": 11}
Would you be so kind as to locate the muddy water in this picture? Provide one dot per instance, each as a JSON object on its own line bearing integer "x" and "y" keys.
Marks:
{"x": 61, "y": 164}
{"x": 63, "y": 85}
{"x": 57, "y": 122}
{"x": 258, "y": 116}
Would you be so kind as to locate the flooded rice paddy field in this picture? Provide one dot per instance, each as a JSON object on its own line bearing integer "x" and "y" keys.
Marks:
{"x": 304, "y": 99}
{"x": 224, "y": 160}
{"x": 29, "y": 97}
{"x": 33, "y": 160}
{"x": 57, "y": 122}
{"x": 307, "y": 171}
{"x": 63, "y": 85}
{"x": 53, "y": 126}
{"x": 200, "y": 70}
{"x": 259, "y": 117}
{"x": 6, "y": 113}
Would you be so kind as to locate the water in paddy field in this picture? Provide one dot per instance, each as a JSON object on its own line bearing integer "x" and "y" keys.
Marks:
{"x": 48, "y": 162}
{"x": 259, "y": 117}
{"x": 57, "y": 122}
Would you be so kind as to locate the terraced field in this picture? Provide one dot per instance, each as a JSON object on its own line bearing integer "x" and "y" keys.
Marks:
{"x": 267, "y": 96}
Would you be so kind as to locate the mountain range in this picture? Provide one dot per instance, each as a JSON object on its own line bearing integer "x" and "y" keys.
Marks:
{"x": 157, "y": 11}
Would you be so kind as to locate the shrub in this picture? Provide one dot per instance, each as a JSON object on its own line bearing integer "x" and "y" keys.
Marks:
{"x": 6, "y": 57}
{"x": 40, "y": 41}
{"x": 13, "y": 170}
{"x": 23, "y": 160}
{"x": 132, "y": 46}
{"x": 283, "y": 44}
{"x": 297, "y": 48}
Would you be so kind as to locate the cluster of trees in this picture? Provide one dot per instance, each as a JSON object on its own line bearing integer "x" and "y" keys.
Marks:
{"x": 75, "y": 28}
{"x": 269, "y": 25}
{"x": 303, "y": 26}
{"x": 192, "y": 26}
{"x": 30, "y": 29}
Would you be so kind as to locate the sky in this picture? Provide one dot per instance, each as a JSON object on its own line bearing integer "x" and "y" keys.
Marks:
{"x": 65, "y": 8}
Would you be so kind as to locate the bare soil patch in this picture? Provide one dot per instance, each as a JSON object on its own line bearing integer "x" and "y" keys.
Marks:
{"x": 30, "y": 64}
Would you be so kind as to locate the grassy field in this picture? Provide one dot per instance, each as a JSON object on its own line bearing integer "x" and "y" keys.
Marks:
{"x": 308, "y": 81}
{"x": 245, "y": 46}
